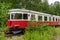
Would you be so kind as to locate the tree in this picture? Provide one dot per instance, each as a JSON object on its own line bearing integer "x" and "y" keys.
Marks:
{"x": 45, "y": 6}
{"x": 57, "y": 8}
{"x": 4, "y": 12}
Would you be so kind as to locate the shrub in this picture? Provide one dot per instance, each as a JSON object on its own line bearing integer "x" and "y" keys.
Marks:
{"x": 43, "y": 32}
{"x": 3, "y": 29}
{"x": 2, "y": 36}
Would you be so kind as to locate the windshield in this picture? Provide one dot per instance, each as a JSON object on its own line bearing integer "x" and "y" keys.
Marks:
{"x": 19, "y": 16}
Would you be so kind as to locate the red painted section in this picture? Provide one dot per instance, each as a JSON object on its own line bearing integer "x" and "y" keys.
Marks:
{"x": 17, "y": 23}
{"x": 24, "y": 23}
{"x": 52, "y": 23}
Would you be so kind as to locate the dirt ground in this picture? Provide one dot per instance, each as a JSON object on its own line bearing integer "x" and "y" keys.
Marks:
{"x": 57, "y": 37}
{"x": 15, "y": 38}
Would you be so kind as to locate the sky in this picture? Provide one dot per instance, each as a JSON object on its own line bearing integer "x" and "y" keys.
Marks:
{"x": 52, "y": 1}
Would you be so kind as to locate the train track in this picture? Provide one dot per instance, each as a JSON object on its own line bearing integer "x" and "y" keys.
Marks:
{"x": 11, "y": 34}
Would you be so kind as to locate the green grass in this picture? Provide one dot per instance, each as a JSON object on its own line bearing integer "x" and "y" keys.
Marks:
{"x": 44, "y": 32}
{"x": 2, "y": 36}
{"x": 3, "y": 29}
{"x": 2, "y": 32}
{"x": 57, "y": 30}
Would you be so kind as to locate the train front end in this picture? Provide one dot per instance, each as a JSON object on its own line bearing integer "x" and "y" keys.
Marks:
{"x": 17, "y": 21}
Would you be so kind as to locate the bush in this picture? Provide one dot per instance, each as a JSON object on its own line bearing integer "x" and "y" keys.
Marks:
{"x": 3, "y": 29}
{"x": 43, "y": 32}
{"x": 2, "y": 36}
{"x": 2, "y": 32}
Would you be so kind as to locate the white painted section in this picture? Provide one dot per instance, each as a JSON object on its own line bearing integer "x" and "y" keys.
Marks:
{"x": 47, "y": 18}
{"x": 22, "y": 16}
{"x": 29, "y": 16}
{"x": 51, "y": 18}
{"x": 30, "y": 12}
{"x": 36, "y": 17}
{"x": 27, "y": 11}
{"x": 42, "y": 18}
{"x": 10, "y": 16}
{"x": 54, "y": 18}
{"x": 17, "y": 12}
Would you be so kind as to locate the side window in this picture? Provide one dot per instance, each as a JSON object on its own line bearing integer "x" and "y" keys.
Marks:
{"x": 45, "y": 18}
{"x": 32, "y": 17}
{"x": 39, "y": 18}
{"x": 56, "y": 19}
{"x": 18, "y": 16}
{"x": 25, "y": 16}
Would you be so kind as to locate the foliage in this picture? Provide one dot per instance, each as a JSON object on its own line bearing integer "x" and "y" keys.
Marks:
{"x": 39, "y": 5}
{"x": 57, "y": 30}
{"x": 3, "y": 29}
{"x": 4, "y": 13}
{"x": 44, "y": 32}
{"x": 2, "y": 36}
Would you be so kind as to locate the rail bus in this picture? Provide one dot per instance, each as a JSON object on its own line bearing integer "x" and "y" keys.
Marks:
{"x": 20, "y": 18}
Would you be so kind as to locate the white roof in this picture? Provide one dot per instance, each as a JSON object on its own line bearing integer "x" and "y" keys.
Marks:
{"x": 28, "y": 11}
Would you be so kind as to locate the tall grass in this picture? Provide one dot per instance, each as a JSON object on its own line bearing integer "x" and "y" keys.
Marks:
{"x": 33, "y": 32}
{"x": 2, "y": 36}
{"x": 57, "y": 30}
{"x": 43, "y": 32}
{"x": 2, "y": 32}
{"x": 3, "y": 29}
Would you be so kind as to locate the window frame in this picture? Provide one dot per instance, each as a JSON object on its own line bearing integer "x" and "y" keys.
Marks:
{"x": 18, "y": 13}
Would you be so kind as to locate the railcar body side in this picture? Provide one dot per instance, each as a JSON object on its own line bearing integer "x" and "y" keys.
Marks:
{"x": 23, "y": 23}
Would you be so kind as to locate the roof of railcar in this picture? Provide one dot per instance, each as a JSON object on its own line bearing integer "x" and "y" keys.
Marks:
{"x": 27, "y": 11}
{"x": 30, "y": 11}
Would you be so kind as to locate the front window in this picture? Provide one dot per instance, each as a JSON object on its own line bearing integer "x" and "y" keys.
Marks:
{"x": 19, "y": 16}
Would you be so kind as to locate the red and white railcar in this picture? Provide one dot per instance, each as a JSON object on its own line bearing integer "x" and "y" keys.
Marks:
{"x": 19, "y": 18}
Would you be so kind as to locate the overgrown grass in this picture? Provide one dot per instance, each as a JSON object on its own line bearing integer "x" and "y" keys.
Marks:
{"x": 2, "y": 32}
{"x": 44, "y": 32}
{"x": 57, "y": 30}
{"x": 2, "y": 36}
{"x": 3, "y": 29}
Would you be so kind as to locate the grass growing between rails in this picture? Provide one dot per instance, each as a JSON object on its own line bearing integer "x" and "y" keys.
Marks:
{"x": 44, "y": 32}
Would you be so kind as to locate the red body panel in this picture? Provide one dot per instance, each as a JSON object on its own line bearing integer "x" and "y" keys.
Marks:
{"x": 51, "y": 23}
{"x": 24, "y": 23}
{"x": 17, "y": 23}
